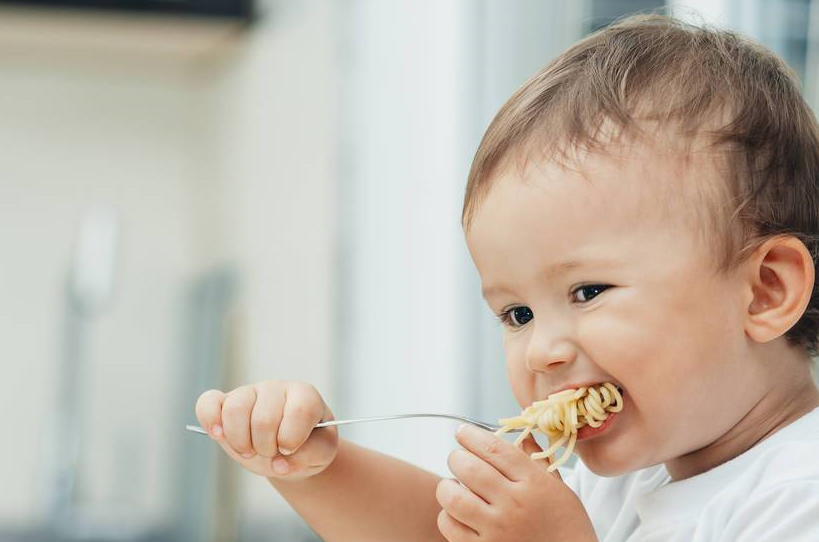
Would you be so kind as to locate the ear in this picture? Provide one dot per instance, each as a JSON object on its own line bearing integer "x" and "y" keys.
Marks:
{"x": 782, "y": 275}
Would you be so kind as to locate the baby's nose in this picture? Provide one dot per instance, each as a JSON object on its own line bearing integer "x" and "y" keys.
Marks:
{"x": 543, "y": 354}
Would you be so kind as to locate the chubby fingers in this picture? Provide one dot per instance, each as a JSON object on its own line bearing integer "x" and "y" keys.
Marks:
{"x": 478, "y": 475}
{"x": 303, "y": 409}
{"x": 508, "y": 460}
{"x": 236, "y": 416}
{"x": 226, "y": 418}
{"x": 269, "y": 427}
{"x": 461, "y": 509}
{"x": 266, "y": 418}
{"x": 209, "y": 412}
{"x": 453, "y": 530}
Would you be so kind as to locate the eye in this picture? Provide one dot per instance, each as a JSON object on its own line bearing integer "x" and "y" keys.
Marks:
{"x": 590, "y": 291}
{"x": 516, "y": 316}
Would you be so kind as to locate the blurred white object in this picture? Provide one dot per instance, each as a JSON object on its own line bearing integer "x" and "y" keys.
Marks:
{"x": 92, "y": 273}
{"x": 88, "y": 289}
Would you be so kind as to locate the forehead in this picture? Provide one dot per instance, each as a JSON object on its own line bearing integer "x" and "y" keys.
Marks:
{"x": 617, "y": 206}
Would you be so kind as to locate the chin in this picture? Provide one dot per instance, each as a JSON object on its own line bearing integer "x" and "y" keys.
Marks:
{"x": 608, "y": 464}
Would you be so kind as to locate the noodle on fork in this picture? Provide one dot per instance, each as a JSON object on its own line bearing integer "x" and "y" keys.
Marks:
{"x": 560, "y": 415}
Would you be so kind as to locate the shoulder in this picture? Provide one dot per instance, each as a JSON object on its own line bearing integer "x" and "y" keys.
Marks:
{"x": 789, "y": 461}
{"x": 779, "y": 508}
{"x": 788, "y": 456}
{"x": 776, "y": 497}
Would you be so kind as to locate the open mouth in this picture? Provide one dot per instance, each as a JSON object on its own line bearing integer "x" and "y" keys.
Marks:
{"x": 567, "y": 416}
{"x": 588, "y": 431}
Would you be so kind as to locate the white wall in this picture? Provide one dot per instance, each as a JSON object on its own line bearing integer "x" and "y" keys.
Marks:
{"x": 222, "y": 153}
{"x": 275, "y": 130}
{"x": 400, "y": 349}
{"x": 73, "y": 136}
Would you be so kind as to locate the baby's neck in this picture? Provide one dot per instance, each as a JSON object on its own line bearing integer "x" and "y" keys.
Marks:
{"x": 794, "y": 395}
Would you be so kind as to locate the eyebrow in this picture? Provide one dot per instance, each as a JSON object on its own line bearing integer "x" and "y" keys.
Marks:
{"x": 549, "y": 272}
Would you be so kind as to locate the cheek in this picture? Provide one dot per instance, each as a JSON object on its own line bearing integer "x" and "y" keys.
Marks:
{"x": 652, "y": 355}
{"x": 619, "y": 343}
{"x": 665, "y": 356}
{"x": 520, "y": 379}
{"x": 645, "y": 333}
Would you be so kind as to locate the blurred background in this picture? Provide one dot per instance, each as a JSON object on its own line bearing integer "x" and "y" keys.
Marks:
{"x": 200, "y": 194}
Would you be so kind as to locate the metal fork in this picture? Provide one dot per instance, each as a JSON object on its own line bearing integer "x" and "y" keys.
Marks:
{"x": 483, "y": 425}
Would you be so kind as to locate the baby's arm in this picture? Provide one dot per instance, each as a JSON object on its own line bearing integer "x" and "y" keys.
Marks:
{"x": 343, "y": 491}
{"x": 365, "y": 496}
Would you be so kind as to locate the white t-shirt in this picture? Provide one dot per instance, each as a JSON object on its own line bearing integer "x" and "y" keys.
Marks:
{"x": 769, "y": 493}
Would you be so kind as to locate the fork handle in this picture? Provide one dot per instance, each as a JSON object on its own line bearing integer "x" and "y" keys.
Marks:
{"x": 330, "y": 423}
{"x": 483, "y": 425}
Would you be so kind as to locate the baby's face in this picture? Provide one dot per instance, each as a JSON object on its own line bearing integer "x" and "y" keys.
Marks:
{"x": 640, "y": 309}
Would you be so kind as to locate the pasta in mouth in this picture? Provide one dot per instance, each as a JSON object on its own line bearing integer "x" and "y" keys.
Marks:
{"x": 560, "y": 415}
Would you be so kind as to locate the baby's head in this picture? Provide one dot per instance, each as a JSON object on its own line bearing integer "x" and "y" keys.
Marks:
{"x": 645, "y": 211}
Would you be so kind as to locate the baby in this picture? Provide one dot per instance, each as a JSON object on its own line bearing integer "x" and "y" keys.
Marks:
{"x": 644, "y": 212}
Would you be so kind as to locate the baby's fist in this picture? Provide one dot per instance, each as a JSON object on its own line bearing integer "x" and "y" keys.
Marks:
{"x": 268, "y": 427}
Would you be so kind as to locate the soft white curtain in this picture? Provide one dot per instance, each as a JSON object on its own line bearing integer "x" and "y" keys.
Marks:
{"x": 421, "y": 80}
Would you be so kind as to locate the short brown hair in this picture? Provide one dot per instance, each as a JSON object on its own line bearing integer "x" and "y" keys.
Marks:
{"x": 658, "y": 68}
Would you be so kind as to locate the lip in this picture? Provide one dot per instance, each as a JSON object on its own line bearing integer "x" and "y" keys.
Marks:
{"x": 586, "y": 384}
{"x": 588, "y": 432}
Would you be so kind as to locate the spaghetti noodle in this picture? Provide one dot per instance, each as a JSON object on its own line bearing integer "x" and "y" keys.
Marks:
{"x": 560, "y": 415}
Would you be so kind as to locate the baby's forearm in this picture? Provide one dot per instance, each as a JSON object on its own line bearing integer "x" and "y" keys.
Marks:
{"x": 366, "y": 496}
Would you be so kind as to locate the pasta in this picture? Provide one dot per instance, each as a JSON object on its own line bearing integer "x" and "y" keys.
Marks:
{"x": 560, "y": 415}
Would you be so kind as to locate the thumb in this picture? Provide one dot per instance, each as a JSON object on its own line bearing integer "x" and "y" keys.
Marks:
{"x": 530, "y": 446}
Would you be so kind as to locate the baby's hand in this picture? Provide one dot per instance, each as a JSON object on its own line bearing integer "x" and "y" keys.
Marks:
{"x": 506, "y": 496}
{"x": 268, "y": 427}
